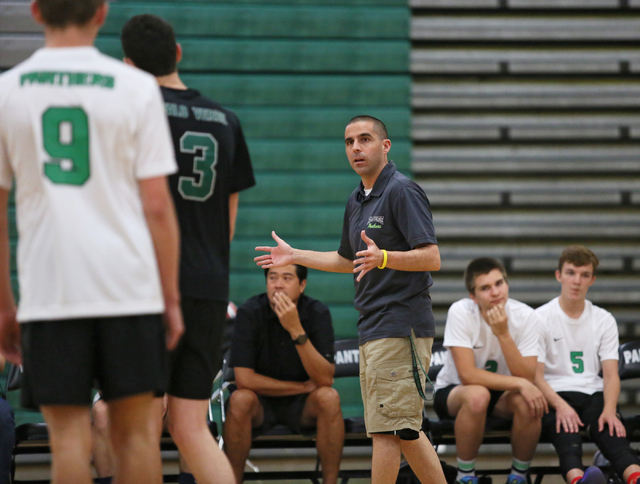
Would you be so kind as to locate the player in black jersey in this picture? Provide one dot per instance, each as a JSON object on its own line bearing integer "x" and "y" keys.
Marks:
{"x": 214, "y": 165}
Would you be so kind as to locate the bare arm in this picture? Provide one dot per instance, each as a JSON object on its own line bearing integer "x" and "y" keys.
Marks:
{"x": 248, "y": 379}
{"x": 518, "y": 365}
{"x": 470, "y": 375}
{"x": 9, "y": 328}
{"x": 323, "y": 261}
{"x": 233, "y": 214}
{"x": 283, "y": 254}
{"x": 566, "y": 417}
{"x": 498, "y": 321}
{"x": 163, "y": 226}
{"x": 316, "y": 366}
{"x": 552, "y": 397}
{"x": 423, "y": 258}
{"x": 522, "y": 366}
{"x": 611, "y": 384}
{"x": 611, "y": 393}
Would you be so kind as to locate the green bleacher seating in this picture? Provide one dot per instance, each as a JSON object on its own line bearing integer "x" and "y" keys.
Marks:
{"x": 286, "y": 55}
{"x": 265, "y": 21}
{"x": 313, "y": 154}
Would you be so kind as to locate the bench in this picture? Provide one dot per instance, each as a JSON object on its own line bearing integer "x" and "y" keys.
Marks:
{"x": 474, "y": 60}
{"x": 33, "y": 438}
{"x": 525, "y": 127}
{"x": 518, "y": 160}
{"x": 15, "y": 16}
{"x": 537, "y": 259}
{"x": 518, "y": 4}
{"x": 17, "y": 47}
{"x": 441, "y": 432}
{"x": 452, "y": 224}
{"x": 283, "y": 188}
{"x": 516, "y": 95}
{"x": 537, "y": 291}
{"x": 530, "y": 28}
{"x": 534, "y": 224}
{"x": 518, "y": 193}
{"x": 280, "y": 437}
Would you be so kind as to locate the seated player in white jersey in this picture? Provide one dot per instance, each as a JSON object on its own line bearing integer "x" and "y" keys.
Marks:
{"x": 489, "y": 368}
{"x": 577, "y": 341}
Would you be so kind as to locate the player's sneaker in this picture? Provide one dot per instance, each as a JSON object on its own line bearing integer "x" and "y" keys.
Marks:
{"x": 468, "y": 480}
{"x": 516, "y": 479}
{"x": 593, "y": 475}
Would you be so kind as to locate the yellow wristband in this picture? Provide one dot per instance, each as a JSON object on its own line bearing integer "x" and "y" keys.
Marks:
{"x": 384, "y": 259}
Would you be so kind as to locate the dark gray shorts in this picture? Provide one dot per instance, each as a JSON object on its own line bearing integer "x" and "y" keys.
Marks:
{"x": 197, "y": 359}
{"x": 286, "y": 411}
{"x": 442, "y": 395}
{"x": 65, "y": 359}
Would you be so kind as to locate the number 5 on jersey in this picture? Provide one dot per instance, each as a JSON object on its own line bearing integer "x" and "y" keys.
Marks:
{"x": 205, "y": 166}
{"x": 577, "y": 363}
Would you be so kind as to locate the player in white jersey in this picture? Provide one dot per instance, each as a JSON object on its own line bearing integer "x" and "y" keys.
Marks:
{"x": 489, "y": 368}
{"x": 579, "y": 340}
{"x": 86, "y": 141}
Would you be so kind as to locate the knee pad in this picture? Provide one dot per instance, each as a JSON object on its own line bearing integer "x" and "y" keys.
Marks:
{"x": 615, "y": 449}
{"x": 408, "y": 434}
{"x": 570, "y": 458}
{"x": 599, "y": 438}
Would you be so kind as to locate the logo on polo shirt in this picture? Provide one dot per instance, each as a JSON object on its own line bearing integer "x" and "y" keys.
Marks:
{"x": 375, "y": 222}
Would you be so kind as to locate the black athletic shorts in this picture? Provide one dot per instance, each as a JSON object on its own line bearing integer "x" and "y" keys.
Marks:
{"x": 197, "y": 359}
{"x": 125, "y": 355}
{"x": 442, "y": 395}
{"x": 285, "y": 411}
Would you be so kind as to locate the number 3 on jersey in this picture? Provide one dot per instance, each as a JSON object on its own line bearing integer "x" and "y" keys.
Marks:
{"x": 65, "y": 135}
{"x": 190, "y": 187}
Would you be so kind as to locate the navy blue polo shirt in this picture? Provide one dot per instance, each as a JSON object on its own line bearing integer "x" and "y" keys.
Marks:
{"x": 396, "y": 216}
{"x": 261, "y": 343}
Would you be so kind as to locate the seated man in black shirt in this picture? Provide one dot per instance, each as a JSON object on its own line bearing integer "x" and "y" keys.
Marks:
{"x": 282, "y": 353}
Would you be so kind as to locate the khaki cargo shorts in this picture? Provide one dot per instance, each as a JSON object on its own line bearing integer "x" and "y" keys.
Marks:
{"x": 389, "y": 393}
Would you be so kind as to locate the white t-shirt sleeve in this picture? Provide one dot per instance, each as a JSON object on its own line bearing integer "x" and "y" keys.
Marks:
{"x": 543, "y": 338}
{"x": 6, "y": 172}
{"x": 528, "y": 343}
{"x": 155, "y": 156}
{"x": 610, "y": 342}
{"x": 457, "y": 329}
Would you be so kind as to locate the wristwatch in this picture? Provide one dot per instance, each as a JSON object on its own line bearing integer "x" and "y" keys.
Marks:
{"x": 301, "y": 339}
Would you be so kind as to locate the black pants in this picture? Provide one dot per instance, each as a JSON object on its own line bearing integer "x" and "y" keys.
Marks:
{"x": 569, "y": 445}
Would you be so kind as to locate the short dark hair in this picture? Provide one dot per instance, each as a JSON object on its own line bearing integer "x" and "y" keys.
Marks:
{"x": 378, "y": 126}
{"x": 579, "y": 256}
{"x": 150, "y": 43}
{"x": 61, "y": 13}
{"x": 301, "y": 272}
{"x": 479, "y": 267}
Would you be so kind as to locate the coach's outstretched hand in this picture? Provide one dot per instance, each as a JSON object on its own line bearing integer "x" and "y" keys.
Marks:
{"x": 279, "y": 256}
{"x": 367, "y": 259}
